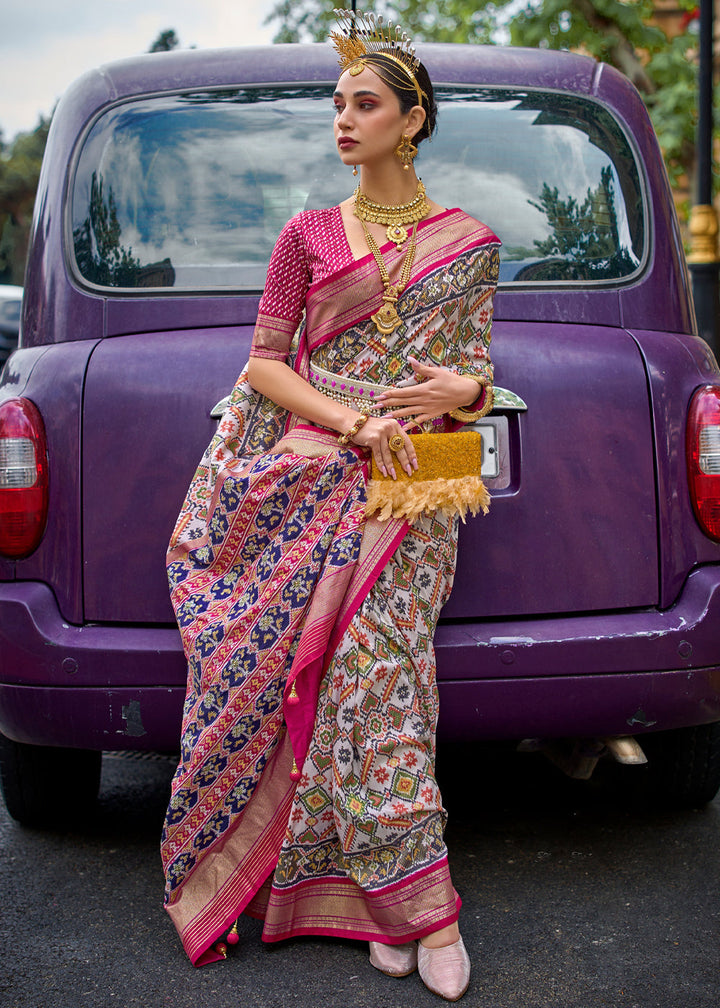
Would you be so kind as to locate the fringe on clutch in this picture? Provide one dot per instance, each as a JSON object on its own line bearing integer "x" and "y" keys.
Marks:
{"x": 447, "y": 479}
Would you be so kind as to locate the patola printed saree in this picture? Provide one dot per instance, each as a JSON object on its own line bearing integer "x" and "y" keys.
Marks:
{"x": 305, "y": 793}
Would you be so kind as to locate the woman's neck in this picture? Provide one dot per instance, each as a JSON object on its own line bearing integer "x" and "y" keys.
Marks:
{"x": 390, "y": 185}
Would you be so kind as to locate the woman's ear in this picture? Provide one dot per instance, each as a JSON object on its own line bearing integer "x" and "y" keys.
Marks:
{"x": 416, "y": 118}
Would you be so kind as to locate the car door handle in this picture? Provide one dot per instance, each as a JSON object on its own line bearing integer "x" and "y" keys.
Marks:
{"x": 507, "y": 400}
{"x": 219, "y": 408}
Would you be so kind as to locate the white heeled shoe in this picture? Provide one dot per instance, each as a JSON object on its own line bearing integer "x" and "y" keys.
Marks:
{"x": 394, "y": 960}
{"x": 445, "y": 971}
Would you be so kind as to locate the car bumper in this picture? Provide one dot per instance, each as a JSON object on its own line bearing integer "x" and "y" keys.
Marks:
{"x": 119, "y": 687}
{"x": 92, "y": 686}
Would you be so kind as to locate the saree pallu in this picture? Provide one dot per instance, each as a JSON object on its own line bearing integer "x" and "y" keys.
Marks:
{"x": 305, "y": 792}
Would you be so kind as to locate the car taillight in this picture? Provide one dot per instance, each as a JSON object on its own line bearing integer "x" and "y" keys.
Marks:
{"x": 703, "y": 458}
{"x": 23, "y": 478}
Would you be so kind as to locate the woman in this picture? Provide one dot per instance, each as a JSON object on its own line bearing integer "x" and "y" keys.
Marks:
{"x": 306, "y": 792}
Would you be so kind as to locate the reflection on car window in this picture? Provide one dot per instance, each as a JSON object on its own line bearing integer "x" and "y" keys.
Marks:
{"x": 191, "y": 191}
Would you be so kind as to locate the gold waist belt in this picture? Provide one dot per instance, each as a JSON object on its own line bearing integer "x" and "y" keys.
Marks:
{"x": 358, "y": 394}
{"x": 352, "y": 392}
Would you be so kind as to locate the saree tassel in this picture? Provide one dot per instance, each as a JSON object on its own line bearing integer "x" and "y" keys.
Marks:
{"x": 407, "y": 499}
{"x": 294, "y": 773}
{"x": 231, "y": 938}
{"x": 293, "y": 698}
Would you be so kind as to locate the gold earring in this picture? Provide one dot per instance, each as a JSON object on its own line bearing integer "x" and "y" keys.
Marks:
{"x": 406, "y": 151}
{"x": 355, "y": 170}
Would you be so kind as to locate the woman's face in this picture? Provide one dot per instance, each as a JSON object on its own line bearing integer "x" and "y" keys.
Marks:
{"x": 368, "y": 121}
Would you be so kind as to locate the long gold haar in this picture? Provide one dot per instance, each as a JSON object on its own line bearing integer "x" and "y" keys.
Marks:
{"x": 396, "y": 217}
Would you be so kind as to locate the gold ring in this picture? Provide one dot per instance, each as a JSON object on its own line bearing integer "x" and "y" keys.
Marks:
{"x": 396, "y": 442}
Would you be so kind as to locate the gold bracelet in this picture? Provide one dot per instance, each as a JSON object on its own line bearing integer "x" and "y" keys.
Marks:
{"x": 347, "y": 437}
{"x": 470, "y": 416}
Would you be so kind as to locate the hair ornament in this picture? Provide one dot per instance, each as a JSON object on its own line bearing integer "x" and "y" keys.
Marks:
{"x": 364, "y": 34}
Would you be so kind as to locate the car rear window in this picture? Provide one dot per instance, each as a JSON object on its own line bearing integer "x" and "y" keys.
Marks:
{"x": 190, "y": 191}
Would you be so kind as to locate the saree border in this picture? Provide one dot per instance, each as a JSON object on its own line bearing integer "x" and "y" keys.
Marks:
{"x": 243, "y": 861}
{"x": 343, "y": 906}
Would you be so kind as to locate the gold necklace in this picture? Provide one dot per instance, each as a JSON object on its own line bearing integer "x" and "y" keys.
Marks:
{"x": 386, "y": 318}
{"x": 396, "y": 217}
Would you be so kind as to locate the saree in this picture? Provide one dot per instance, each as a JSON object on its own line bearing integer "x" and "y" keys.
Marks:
{"x": 305, "y": 793}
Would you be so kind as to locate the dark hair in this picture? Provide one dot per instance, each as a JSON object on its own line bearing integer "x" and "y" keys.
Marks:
{"x": 406, "y": 93}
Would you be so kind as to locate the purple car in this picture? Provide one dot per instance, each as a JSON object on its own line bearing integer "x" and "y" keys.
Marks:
{"x": 586, "y": 605}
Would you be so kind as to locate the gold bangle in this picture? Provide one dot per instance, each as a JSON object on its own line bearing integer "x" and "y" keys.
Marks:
{"x": 470, "y": 416}
{"x": 349, "y": 435}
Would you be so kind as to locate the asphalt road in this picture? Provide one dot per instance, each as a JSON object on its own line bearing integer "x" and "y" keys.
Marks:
{"x": 572, "y": 898}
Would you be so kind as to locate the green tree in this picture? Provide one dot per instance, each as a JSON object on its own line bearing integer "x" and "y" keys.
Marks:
{"x": 663, "y": 70}
{"x": 583, "y": 243}
{"x": 99, "y": 253}
{"x": 20, "y": 164}
{"x": 428, "y": 20}
{"x": 615, "y": 31}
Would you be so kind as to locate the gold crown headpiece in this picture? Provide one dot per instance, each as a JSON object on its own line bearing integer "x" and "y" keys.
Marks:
{"x": 362, "y": 35}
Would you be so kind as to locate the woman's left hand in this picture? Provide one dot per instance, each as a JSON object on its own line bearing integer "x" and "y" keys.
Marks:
{"x": 439, "y": 391}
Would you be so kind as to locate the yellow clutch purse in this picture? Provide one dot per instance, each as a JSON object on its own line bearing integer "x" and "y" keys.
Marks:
{"x": 447, "y": 479}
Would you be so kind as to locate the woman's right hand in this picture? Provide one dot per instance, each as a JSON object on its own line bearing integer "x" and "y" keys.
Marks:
{"x": 375, "y": 434}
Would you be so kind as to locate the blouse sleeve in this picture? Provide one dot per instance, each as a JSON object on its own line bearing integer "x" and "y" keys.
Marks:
{"x": 471, "y": 348}
{"x": 283, "y": 301}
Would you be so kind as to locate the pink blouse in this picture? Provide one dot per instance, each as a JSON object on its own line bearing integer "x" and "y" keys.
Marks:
{"x": 310, "y": 247}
